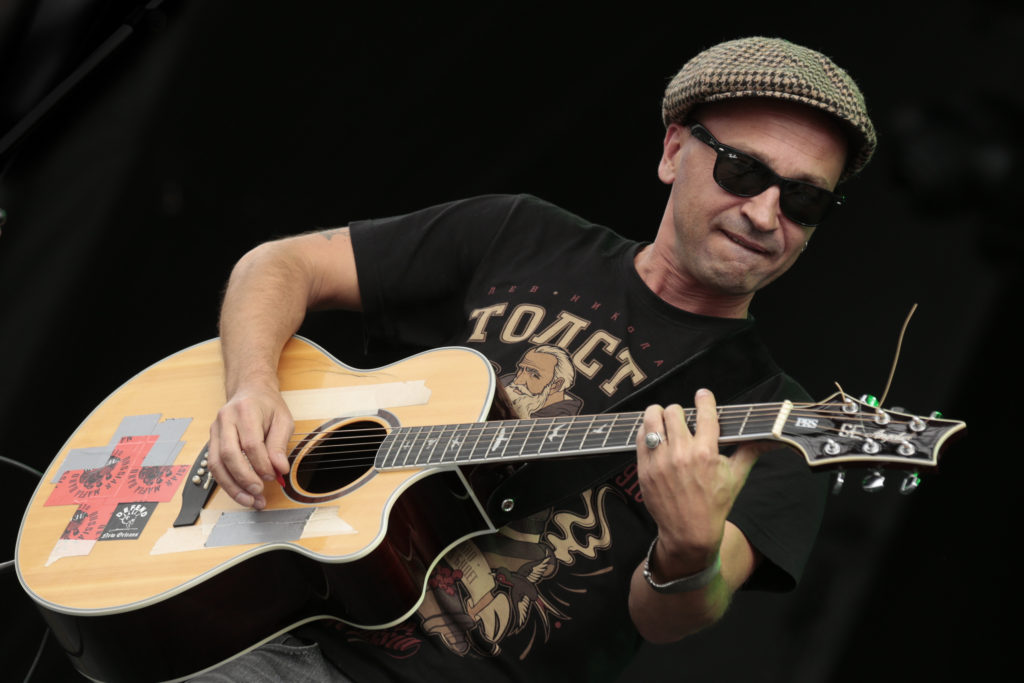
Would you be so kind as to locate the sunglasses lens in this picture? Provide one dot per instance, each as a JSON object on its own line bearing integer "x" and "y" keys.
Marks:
{"x": 804, "y": 203}
{"x": 745, "y": 176}
{"x": 742, "y": 175}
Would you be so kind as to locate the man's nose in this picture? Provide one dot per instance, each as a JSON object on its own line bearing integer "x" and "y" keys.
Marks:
{"x": 763, "y": 209}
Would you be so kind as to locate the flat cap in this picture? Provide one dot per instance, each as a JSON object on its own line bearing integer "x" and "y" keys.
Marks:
{"x": 775, "y": 68}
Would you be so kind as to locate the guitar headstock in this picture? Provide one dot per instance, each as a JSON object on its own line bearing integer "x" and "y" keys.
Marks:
{"x": 845, "y": 432}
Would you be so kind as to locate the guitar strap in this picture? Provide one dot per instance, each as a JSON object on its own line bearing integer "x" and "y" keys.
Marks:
{"x": 733, "y": 367}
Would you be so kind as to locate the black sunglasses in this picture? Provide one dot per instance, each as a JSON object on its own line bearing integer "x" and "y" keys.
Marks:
{"x": 745, "y": 176}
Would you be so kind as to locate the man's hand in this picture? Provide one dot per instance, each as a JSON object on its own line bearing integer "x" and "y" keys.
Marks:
{"x": 688, "y": 487}
{"x": 266, "y": 300}
{"x": 249, "y": 441}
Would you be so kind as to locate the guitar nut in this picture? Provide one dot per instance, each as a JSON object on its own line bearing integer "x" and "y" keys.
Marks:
{"x": 507, "y": 505}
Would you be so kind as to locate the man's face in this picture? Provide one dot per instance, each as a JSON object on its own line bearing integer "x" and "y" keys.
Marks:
{"x": 535, "y": 372}
{"x": 723, "y": 244}
{"x": 532, "y": 385}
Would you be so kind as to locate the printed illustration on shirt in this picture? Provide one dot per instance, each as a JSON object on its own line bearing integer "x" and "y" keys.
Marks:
{"x": 495, "y": 587}
{"x": 540, "y": 385}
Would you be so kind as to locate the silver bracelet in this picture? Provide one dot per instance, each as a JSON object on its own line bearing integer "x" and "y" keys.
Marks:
{"x": 684, "y": 584}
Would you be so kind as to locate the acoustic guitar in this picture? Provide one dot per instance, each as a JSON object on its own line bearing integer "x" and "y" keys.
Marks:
{"x": 146, "y": 571}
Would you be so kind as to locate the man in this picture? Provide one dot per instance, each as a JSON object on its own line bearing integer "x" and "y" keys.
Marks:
{"x": 759, "y": 133}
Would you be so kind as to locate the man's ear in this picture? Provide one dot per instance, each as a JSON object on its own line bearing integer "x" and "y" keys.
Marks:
{"x": 671, "y": 148}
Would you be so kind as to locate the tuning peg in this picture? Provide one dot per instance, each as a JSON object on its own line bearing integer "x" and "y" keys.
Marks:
{"x": 910, "y": 483}
{"x": 837, "y": 483}
{"x": 874, "y": 481}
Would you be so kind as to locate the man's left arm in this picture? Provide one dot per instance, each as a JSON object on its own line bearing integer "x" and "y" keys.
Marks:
{"x": 689, "y": 489}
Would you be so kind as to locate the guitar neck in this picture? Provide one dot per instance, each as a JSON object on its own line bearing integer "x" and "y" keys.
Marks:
{"x": 553, "y": 437}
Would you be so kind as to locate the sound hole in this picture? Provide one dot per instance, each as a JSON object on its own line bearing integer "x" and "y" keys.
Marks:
{"x": 338, "y": 456}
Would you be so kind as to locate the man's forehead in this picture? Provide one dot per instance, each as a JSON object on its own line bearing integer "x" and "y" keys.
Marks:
{"x": 538, "y": 359}
{"x": 752, "y": 125}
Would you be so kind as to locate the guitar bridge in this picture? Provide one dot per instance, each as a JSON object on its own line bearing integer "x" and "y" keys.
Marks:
{"x": 198, "y": 487}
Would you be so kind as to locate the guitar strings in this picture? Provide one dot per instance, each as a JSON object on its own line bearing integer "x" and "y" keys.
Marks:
{"x": 578, "y": 423}
{"x": 725, "y": 419}
{"x": 351, "y": 442}
{"x": 366, "y": 457}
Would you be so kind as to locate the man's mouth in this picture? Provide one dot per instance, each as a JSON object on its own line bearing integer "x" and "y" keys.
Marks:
{"x": 747, "y": 244}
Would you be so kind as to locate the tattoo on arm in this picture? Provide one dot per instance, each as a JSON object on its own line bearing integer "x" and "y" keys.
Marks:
{"x": 329, "y": 234}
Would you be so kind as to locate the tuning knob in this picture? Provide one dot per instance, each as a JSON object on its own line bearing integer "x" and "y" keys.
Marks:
{"x": 837, "y": 483}
{"x": 874, "y": 481}
{"x": 910, "y": 483}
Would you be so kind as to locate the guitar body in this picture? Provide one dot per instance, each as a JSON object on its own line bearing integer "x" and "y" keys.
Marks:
{"x": 133, "y": 597}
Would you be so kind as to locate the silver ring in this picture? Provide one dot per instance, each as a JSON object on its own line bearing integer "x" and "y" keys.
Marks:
{"x": 652, "y": 440}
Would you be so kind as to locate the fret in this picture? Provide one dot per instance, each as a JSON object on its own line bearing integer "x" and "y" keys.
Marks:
{"x": 526, "y": 437}
{"x": 467, "y": 451}
{"x": 555, "y": 435}
{"x": 596, "y": 434}
{"x": 757, "y": 420}
{"x": 506, "y": 435}
{"x": 766, "y": 415}
{"x": 422, "y": 448}
{"x": 453, "y": 449}
{"x": 468, "y": 442}
{"x": 609, "y": 431}
{"x": 631, "y": 431}
{"x": 412, "y": 446}
{"x": 441, "y": 444}
{"x": 690, "y": 419}
{"x": 534, "y": 442}
{"x": 575, "y": 433}
{"x": 485, "y": 444}
{"x": 746, "y": 417}
{"x": 428, "y": 445}
{"x": 441, "y": 441}
{"x": 519, "y": 432}
{"x": 500, "y": 440}
{"x": 403, "y": 448}
{"x": 384, "y": 456}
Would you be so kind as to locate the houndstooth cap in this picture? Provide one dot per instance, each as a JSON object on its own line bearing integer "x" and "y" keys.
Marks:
{"x": 777, "y": 68}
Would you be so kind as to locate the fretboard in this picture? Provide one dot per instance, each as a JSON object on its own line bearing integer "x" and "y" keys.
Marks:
{"x": 553, "y": 437}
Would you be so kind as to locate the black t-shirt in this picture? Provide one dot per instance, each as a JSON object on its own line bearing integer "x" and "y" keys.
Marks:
{"x": 557, "y": 306}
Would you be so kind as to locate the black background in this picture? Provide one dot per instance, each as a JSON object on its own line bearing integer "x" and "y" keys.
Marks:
{"x": 214, "y": 126}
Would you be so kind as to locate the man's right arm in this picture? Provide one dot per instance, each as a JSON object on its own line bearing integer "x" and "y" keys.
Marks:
{"x": 268, "y": 294}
